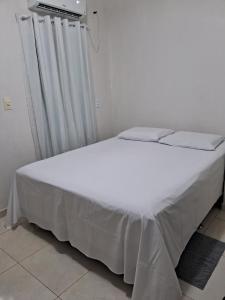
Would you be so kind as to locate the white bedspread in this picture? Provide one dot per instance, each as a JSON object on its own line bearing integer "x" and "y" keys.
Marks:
{"x": 131, "y": 205}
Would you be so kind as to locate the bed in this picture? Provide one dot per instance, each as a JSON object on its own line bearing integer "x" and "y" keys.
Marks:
{"x": 129, "y": 204}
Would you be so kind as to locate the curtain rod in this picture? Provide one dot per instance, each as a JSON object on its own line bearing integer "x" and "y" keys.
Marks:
{"x": 41, "y": 19}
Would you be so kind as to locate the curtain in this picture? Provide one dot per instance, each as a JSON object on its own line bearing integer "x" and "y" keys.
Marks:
{"x": 62, "y": 103}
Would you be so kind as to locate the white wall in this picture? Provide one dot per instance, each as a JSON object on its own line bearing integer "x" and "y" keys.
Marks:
{"x": 16, "y": 144}
{"x": 100, "y": 66}
{"x": 168, "y": 63}
{"x": 161, "y": 63}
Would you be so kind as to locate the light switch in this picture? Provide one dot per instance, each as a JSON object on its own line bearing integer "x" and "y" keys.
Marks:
{"x": 7, "y": 102}
{"x": 98, "y": 103}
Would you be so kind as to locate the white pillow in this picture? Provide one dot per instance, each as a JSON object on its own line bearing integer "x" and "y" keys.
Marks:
{"x": 193, "y": 140}
{"x": 145, "y": 134}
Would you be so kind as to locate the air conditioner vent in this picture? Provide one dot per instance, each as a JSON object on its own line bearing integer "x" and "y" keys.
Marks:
{"x": 57, "y": 11}
{"x": 71, "y": 9}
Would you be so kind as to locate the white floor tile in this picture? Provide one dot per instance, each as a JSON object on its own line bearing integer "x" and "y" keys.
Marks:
{"x": 221, "y": 215}
{"x": 17, "y": 284}
{"x": 99, "y": 284}
{"x": 189, "y": 290}
{"x": 57, "y": 267}
{"x": 21, "y": 242}
{"x": 216, "y": 230}
{"x": 64, "y": 271}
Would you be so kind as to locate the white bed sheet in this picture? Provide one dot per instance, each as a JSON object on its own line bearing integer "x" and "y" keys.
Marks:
{"x": 131, "y": 205}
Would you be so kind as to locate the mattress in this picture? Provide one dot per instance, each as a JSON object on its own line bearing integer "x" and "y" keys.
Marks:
{"x": 131, "y": 205}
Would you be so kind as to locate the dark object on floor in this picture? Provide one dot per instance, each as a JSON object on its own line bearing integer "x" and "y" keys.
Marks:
{"x": 199, "y": 260}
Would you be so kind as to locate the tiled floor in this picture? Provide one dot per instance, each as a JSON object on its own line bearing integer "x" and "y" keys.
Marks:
{"x": 35, "y": 266}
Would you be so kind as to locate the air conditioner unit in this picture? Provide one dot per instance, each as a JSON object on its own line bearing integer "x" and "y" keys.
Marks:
{"x": 71, "y": 9}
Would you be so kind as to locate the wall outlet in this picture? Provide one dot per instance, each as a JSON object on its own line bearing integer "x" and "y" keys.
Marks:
{"x": 7, "y": 102}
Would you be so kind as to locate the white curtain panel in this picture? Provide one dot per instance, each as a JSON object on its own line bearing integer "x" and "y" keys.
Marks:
{"x": 60, "y": 84}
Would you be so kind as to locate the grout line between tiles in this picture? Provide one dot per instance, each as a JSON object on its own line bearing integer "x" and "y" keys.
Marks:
{"x": 16, "y": 264}
{"x": 33, "y": 253}
{"x": 47, "y": 286}
{"x": 9, "y": 255}
{"x": 42, "y": 248}
{"x": 37, "y": 279}
{"x": 74, "y": 283}
{"x": 20, "y": 261}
